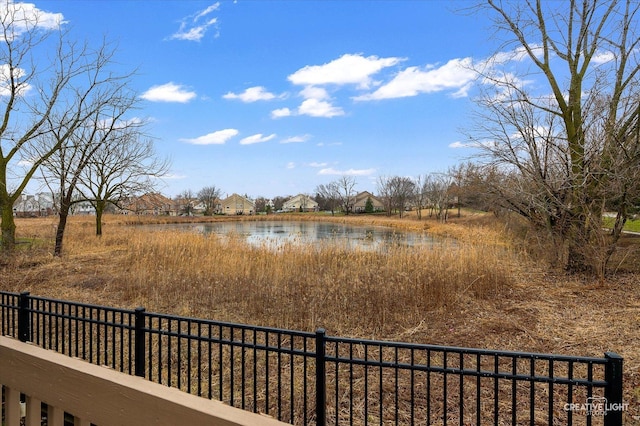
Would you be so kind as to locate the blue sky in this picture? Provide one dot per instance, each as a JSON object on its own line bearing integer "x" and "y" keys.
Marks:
{"x": 272, "y": 98}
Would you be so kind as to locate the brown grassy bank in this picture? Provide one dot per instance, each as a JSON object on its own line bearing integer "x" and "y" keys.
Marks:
{"x": 481, "y": 293}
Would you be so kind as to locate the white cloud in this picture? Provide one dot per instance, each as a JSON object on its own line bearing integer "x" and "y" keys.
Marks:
{"x": 506, "y": 87}
{"x": 291, "y": 165}
{"x": 25, "y": 16}
{"x": 350, "y": 172}
{"x": 317, "y": 108}
{"x": 518, "y": 54}
{"x": 216, "y": 138}
{"x": 316, "y": 164}
{"x": 252, "y": 94}
{"x": 312, "y": 92}
{"x": 169, "y": 92}
{"x": 257, "y": 138}
{"x": 282, "y": 112}
{"x": 317, "y": 103}
{"x": 348, "y": 69}
{"x": 207, "y": 11}
{"x": 296, "y": 139}
{"x": 194, "y": 27}
{"x": 603, "y": 57}
{"x": 412, "y": 81}
{"x": 354, "y": 69}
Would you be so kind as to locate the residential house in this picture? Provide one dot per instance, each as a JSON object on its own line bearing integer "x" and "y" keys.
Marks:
{"x": 189, "y": 206}
{"x": 236, "y": 204}
{"x": 299, "y": 203}
{"x": 40, "y": 204}
{"x": 151, "y": 204}
{"x": 83, "y": 208}
{"x": 360, "y": 204}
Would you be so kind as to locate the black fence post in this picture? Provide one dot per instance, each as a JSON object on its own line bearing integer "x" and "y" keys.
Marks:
{"x": 613, "y": 391}
{"x": 24, "y": 317}
{"x": 139, "y": 337}
{"x": 321, "y": 379}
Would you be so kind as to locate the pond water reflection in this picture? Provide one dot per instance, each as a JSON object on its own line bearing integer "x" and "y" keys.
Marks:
{"x": 276, "y": 233}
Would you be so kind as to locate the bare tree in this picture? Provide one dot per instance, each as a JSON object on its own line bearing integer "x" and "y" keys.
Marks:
{"x": 403, "y": 189}
{"x": 63, "y": 170}
{"x": 125, "y": 165}
{"x": 46, "y": 79}
{"x": 262, "y": 204}
{"x": 208, "y": 196}
{"x": 346, "y": 193}
{"x": 437, "y": 187}
{"x": 560, "y": 151}
{"x": 329, "y": 194}
{"x": 385, "y": 192}
{"x": 186, "y": 198}
{"x": 278, "y": 202}
{"x": 397, "y": 192}
{"x": 456, "y": 174}
{"x": 476, "y": 184}
{"x": 420, "y": 195}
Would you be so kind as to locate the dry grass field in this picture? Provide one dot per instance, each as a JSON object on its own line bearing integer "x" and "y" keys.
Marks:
{"x": 485, "y": 291}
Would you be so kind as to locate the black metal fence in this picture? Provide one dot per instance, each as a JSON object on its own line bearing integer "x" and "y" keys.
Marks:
{"x": 311, "y": 378}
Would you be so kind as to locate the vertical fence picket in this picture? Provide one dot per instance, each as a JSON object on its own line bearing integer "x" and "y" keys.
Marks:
{"x": 321, "y": 377}
{"x": 24, "y": 318}
{"x": 613, "y": 391}
{"x": 139, "y": 342}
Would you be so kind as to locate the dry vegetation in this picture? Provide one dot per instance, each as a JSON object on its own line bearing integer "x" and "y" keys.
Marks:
{"x": 484, "y": 291}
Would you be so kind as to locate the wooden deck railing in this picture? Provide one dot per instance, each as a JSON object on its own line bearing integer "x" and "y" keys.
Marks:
{"x": 98, "y": 395}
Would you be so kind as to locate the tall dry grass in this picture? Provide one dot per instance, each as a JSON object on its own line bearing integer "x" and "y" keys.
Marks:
{"x": 304, "y": 287}
{"x": 292, "y": 286}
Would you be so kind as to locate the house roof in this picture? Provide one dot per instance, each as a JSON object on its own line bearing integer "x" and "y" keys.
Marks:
{"x": 235, "y": 197}
{"x": 361, "y": 199}
{"x": 299, "y": 199}
{"x": 149, "y": 201}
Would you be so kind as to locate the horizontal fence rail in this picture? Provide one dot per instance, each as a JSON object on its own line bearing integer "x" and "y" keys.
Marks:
{"x": 314, "y": 379}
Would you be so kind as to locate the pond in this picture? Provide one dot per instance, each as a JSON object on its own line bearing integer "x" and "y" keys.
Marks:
{"x": 277, "y": 233}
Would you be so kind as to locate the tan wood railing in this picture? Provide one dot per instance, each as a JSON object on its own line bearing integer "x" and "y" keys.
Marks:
{"x": 98, "y": 395}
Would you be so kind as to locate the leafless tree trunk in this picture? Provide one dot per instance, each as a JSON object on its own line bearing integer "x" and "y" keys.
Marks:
{"x": 346, "y": 193}
{"x": 65, "y": 166}
{"x": 385, "y": 192}
{"x": 398, "y": 192}
{"x": 420, "y": 195}
{"x": 402, "y": 190}
{"x": 124, "y": 165}
{"x": 437, "y": 187}
{"x": 208, "y": 195}
{"x": 560, "y": 150}
{"x": 186, "y": 197}
{"x": 330, "y": 194}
